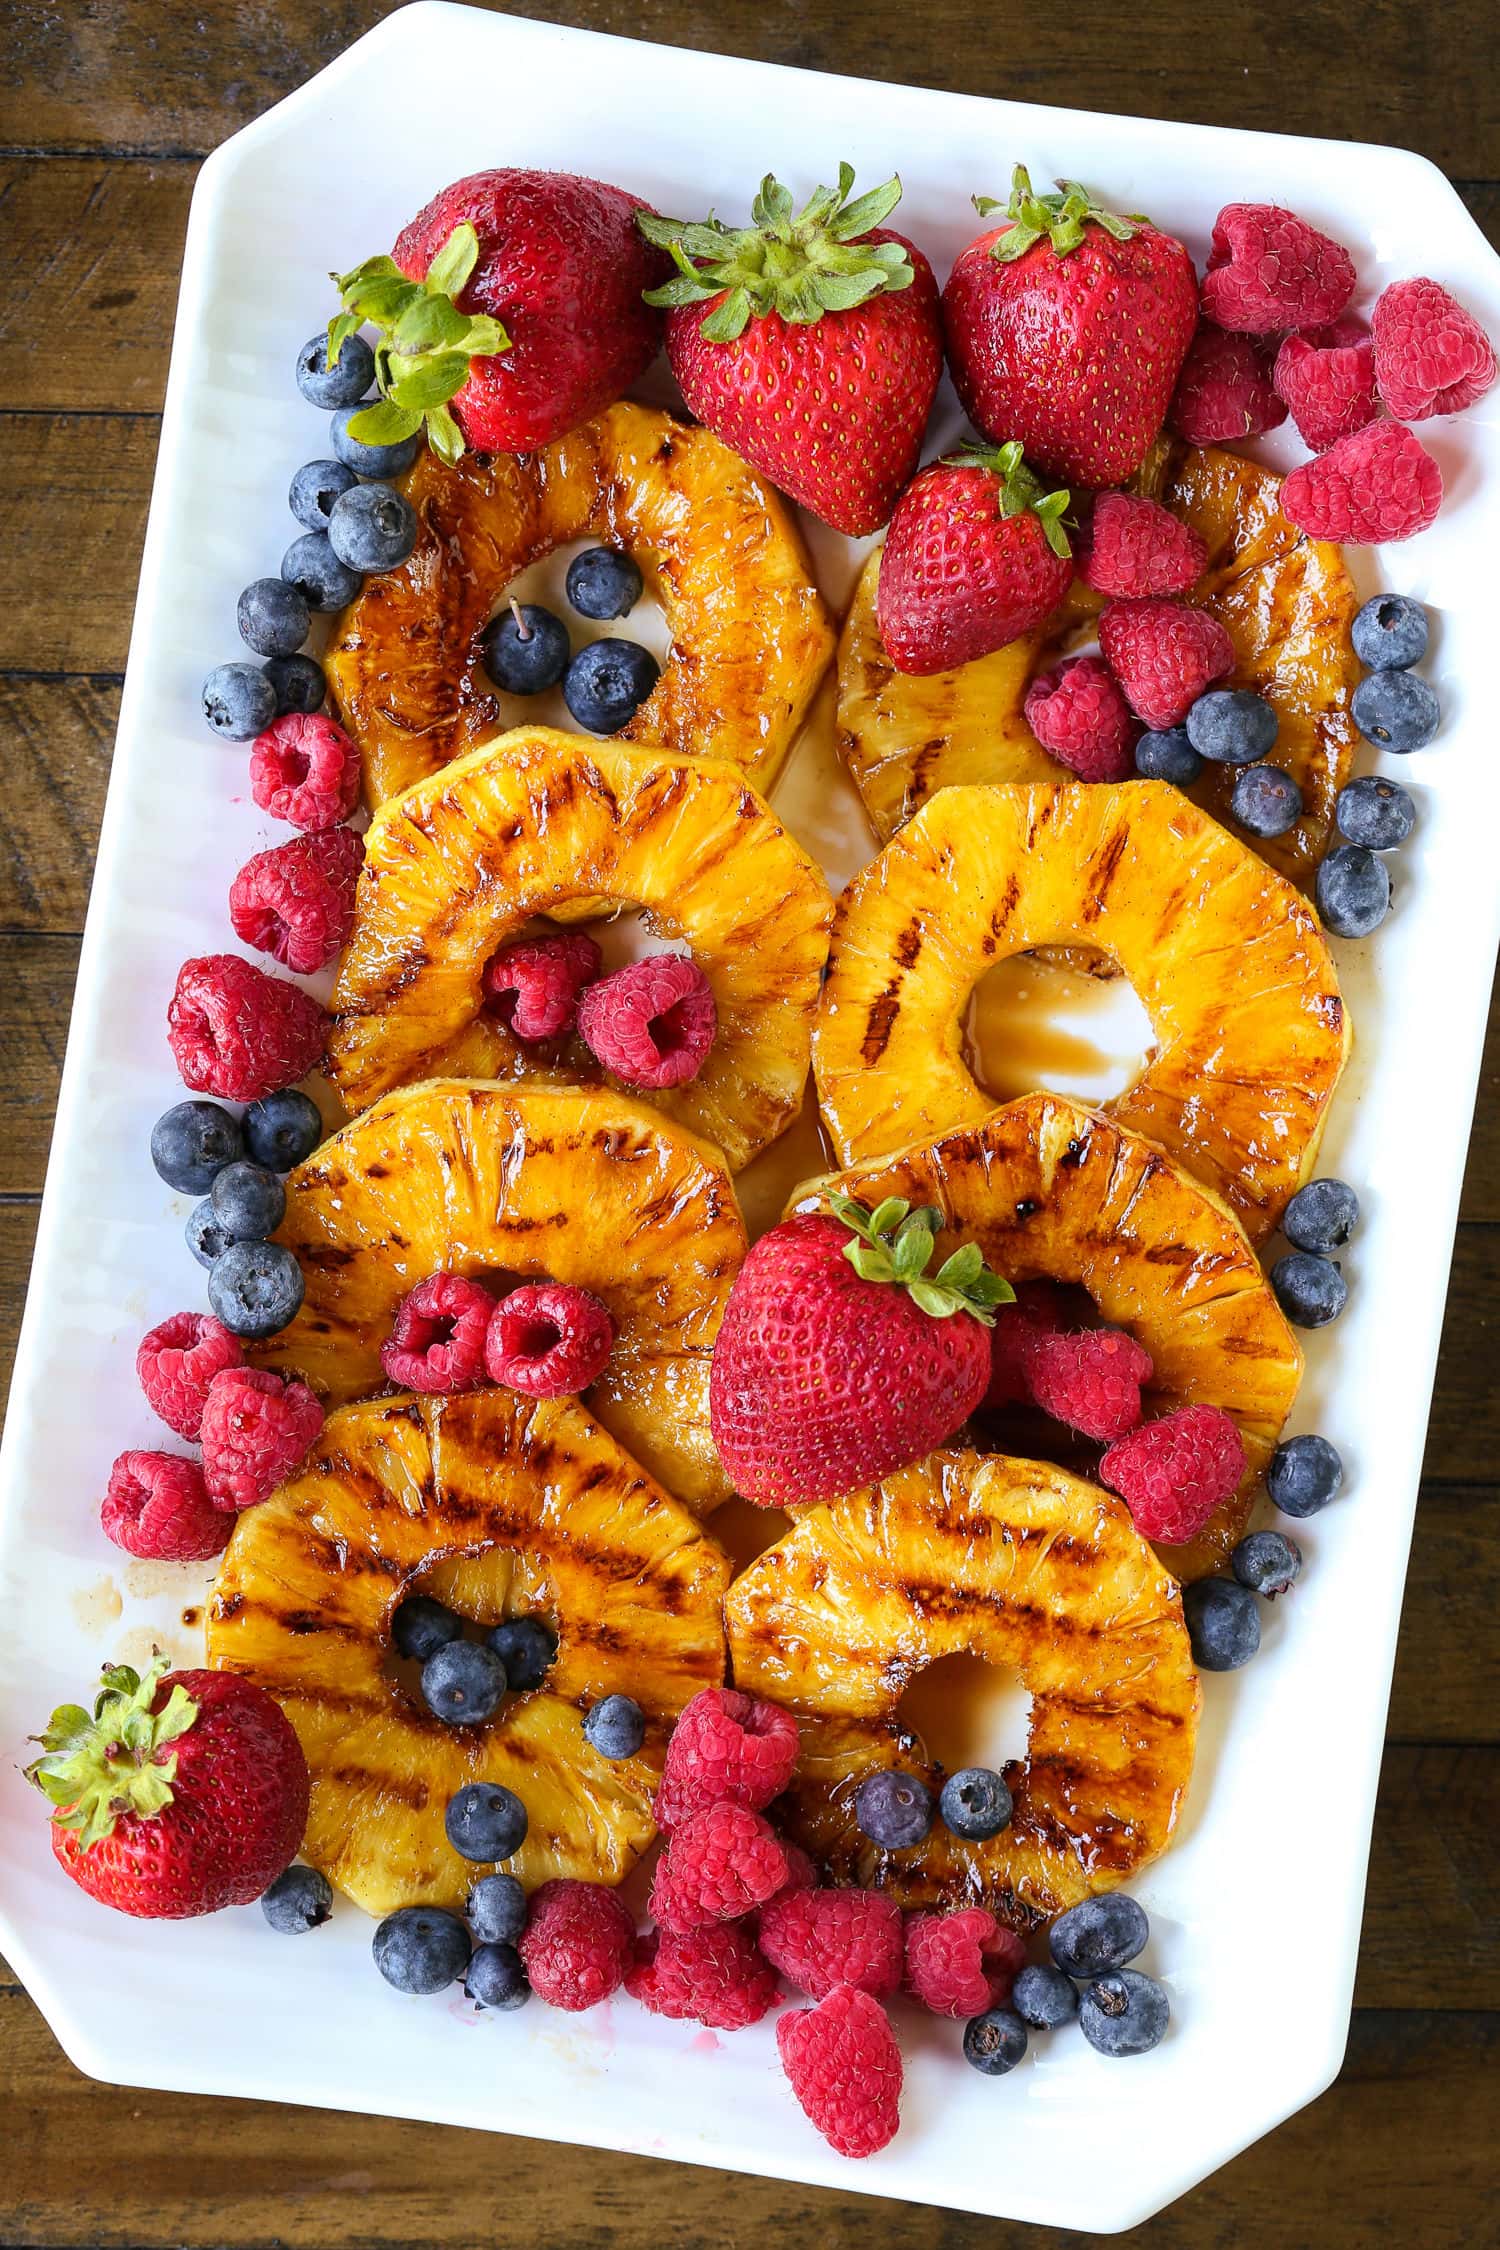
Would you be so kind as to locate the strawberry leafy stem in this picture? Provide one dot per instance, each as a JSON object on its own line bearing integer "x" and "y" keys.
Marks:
{"x": 97, "y": 1767}
{"x": 894, "y": 1243}
{"x": 800, "y": 264}
{"x": 1063, "y": 218}
{"x": 425, "y": 343}
{"x": 1020, "y": 492}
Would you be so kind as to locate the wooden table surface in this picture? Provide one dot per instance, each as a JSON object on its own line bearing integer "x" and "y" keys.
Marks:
{"x": 108, "y": 107}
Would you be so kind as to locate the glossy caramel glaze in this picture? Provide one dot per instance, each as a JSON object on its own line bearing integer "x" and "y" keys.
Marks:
{"x": 533, "y": 823}
{"x": 566, "y": 1527}
{"x": 515, "y": 1183}
{"x": 1049, "y": 1189}
{"x": 750, "y": 634}
{"x": 1227, "y": 959}
{"x": 1032, "y": 1569}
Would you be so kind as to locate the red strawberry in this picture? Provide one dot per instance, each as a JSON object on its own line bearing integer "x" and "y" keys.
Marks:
{"x": 820, "y": 351}
{"x": 182, "y": 1793}
{"x": 975, "y": 557}
{"x": 517, "y": 295}
{"x": 1066, "y": 327}
{"x": 839, "y": 1358}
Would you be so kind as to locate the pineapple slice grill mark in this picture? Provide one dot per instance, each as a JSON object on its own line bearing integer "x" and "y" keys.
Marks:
{"x": 1227, "y": 958}
{"x": 565, "y": 1524}
{"x": 542, "y": 823}
{"x": 751, "y": 637}
{"x": 1033, "y": 1569}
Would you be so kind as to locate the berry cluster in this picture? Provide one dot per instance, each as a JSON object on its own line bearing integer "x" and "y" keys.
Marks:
{"x": 650, "y": 1023}
{"x": 526, "y": 649}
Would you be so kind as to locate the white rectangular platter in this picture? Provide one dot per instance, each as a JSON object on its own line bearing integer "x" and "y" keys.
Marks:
{"x": 1270, "y": 1865}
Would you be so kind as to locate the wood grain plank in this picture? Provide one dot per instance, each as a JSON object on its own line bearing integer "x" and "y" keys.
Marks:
{"x": 1446, "y": 1687}
{"x": 75, "y": 515}
{"x": 59, "y": 735}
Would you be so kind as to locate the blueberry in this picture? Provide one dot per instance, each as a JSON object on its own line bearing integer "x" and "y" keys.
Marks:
{"x": 255, "y": 1288}
{"x": 1321, "y": 1216}
{"x": 314, "y": 489}
{"x": 1390, "y": 632}
{"x": 1374, "y": 812}
{"x": 192, "y": 1142}
{"x": 1231, "y": 726}
{"x": 311, "y": 565}
{"x": 372, "y": 528}
{"x": 1168, "y": 756}
{"x": 525, "y": 650}
{"x": 340, "y": 385}
{"x": 975, "y": 1804}
{"x": 607, "y": 682}
{"x": 893, "y": 1809}
{"x": 248, "y": 1202}
{"x": 369, "y": 460}
{"x": 1396, "y": 710}
{"x": 205, "y": 1235}
{"x": 1124, "y": 2013}
{"x": 1099, "y": 1933}
{"x": 421, "y": 1949}
{"x": 497, "y": 1909}
{"x": 297, "y": 682}
{"x": 299, "y": 1900}
{"x": 1223, "y": 1623}
{"x": 273, "y": 617}
{"x": 1311, "y": 1291}
{"x": 615, "y": 1727}
{"x": 239, "y": 702}
{"x": 526, "y": 1647}
{"x": 1267, "y": 1562}
{"x": 463, "y": 1683}
{"x": 283, "y": 1129}
{"x": 1304, "y": 1475}
{"x": 602, "y": 582}
{"x": 1265, "y": 800}
{"x": 496, "y": 1978}
{"x": 483, "y": 1820}
{"x": 421, "y": 1626}
{"x": 994, "y": 2042}
{"x": 1043, "y": 1997}
{"x": 1353, "y": 891}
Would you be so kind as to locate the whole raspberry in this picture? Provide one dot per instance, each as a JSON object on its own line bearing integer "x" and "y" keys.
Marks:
{"x": 844, "y": 2066}
{"x": 652, "y": 1022}
{"x": 726, "y": 1748}
{"x": 824, "y": 1938}
{"x": 238, "y": 1033}
{"x": 722, "y": 1863}
{"x": 1172, "y": 1474}
{"x": 960, "y": 1964}
{"x": 1078, "y": 713}
{"x": 1431, "y": 357}
{"x": 1376, "y": 484}
{"x": 1137, "y": 547}
{"x": 548, "y": 1338}
{"x": 1091, "y": 1380}
{"x": 713, "y": 1976}
{"x": 437, "y": 1339}
{"x": 177, "y": 1360}
{"x": 296, "y": 902}
{"x": 533, "y": 988}
{"x": 1327, "y": 378}
{"x": 1164, "y": 655}
{"x": 1036, "y": 1312}
{"x": 304, "y": 769}
{"x": 1224, "y": 391}
{"x": 1268, "y": 269}
{"x": 256, "y": 1428}
{"x": 578, "y": 1943}
{"x": 156, "y": 1506}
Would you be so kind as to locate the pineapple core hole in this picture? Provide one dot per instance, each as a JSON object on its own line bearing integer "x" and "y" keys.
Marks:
{"x": 545, "y": 582}
{"x": 1039, "y": 1023}
{"x": 967, "y": 1712}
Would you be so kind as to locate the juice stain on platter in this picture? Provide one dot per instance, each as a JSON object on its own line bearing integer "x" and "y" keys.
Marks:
{"x": 97, "y": 1607}
{"x": 770, "y": 1180}
{"x": 1035, "y": 1025}
{"x": 967, "y": 1712}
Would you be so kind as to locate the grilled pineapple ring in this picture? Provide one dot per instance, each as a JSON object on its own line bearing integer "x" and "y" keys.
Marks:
{"x": 750, "y": 635}
{"x": 1227, "y": 959}
{"x": 570, "y": 1529}
{"x": 1024, "y": 1565}
{"x": 1048, "y": 1188}
{"x": 539, "y": 823}
{"x": 579, "y": 1186}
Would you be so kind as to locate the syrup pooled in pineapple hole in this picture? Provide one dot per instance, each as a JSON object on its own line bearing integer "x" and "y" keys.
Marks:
{"x": 1037, "y": 1023}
